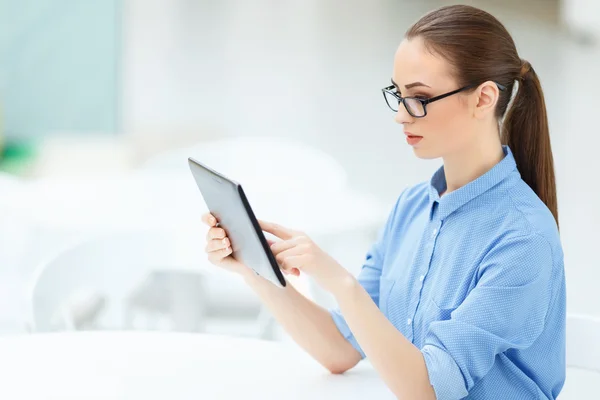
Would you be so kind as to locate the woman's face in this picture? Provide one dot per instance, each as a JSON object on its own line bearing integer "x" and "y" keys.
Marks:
{"x": 448, "y": 126}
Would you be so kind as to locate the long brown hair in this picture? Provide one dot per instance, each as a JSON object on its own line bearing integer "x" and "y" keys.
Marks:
{"x": 479, "y": 49}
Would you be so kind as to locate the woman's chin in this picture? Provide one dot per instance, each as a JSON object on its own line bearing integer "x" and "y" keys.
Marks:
{"x": 424, "y": 153}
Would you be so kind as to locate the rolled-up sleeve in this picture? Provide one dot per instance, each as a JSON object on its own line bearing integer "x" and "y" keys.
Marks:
{"x": 506, "y": 310}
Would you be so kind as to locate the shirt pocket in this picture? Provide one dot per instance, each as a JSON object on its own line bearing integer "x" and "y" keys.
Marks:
{"x": 445, "y": 300}
{"x": 385, "y": 289}
{"x": 440, "y": 312}
{"x": 435, "y": 313}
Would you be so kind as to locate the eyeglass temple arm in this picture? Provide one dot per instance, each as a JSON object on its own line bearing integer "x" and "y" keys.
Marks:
{"x": 443, "y": 96}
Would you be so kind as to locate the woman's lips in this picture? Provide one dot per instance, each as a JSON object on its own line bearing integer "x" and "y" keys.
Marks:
{"x": 412, "y": 139}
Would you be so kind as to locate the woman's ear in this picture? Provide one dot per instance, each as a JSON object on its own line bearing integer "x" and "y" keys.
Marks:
{"x": 486, "y": 98}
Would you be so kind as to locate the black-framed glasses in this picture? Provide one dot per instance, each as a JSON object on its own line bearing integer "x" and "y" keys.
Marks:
{"x": 416, "y": 106}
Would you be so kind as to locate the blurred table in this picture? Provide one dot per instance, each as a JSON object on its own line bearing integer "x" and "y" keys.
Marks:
{"x": 112, "y": 365}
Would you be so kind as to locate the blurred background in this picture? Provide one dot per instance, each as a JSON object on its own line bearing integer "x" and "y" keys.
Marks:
{"x": 102, "y": 102}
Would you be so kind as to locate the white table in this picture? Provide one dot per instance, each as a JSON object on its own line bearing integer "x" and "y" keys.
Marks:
{"x": 128, "y": 365}
{"x": 154, "y": 365}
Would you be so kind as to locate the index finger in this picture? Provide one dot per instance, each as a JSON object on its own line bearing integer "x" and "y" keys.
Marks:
{"x": 277, "y": 230}
{"x": 209, "y": 219}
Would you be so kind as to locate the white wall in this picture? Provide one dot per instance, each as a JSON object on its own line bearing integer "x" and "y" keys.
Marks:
{"x": 582, "y": 16}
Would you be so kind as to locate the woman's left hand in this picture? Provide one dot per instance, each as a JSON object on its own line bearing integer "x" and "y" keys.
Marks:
{"x": 296, "y": 253}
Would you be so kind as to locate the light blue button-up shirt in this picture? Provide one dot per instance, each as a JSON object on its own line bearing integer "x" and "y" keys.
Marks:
{"x": 474, "y": 279}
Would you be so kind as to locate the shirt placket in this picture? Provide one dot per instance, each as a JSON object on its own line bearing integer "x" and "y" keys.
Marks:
{"x": 426, "y": 254}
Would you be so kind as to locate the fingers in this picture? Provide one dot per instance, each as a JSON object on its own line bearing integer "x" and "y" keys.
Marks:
{"x": 292, "y": 264}
{"x": 218, "y": 255}
{"x": 209, "y": 219}
{"x": 276, "y": 230}
{"x": 290, "y": 254}
{"x": 287, "y": 259}
{"x": 217, "y": 244}
{"x": 281, "y": 247}
{"x": 293, "y": 271}
{"x": 284, "y": 245}
{"x": 215, "y": 233}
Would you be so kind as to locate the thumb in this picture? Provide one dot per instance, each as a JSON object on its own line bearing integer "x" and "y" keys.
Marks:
{"x": 276, "y": 230}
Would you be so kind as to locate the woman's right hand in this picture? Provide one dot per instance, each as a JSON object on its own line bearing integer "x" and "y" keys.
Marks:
{"x": 218, "y": 247}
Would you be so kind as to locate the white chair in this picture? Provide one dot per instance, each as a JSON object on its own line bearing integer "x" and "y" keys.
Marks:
{"x": 583, "y": 358}
{"x": 87, "y": 285}
{"x": 116, "y": 281}
{"x": 178, "y": 296}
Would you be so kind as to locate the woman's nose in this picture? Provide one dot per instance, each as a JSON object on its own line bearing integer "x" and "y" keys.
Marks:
{"x": 402, "y": 116}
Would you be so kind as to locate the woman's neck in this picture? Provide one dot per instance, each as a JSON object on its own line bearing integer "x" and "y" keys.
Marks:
{"x": 471, "y": 163}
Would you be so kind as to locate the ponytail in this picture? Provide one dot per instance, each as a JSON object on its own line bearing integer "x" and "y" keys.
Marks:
{"x": 525, "y": 131}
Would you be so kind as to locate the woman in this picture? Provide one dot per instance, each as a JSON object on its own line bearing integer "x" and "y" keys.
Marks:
{"x": 463, "y": 293}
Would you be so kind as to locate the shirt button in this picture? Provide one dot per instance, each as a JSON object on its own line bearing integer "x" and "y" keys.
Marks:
{"x": 408, "y": 321}
{"x": 421, "y": 278}
{"x": 434, "y": 232}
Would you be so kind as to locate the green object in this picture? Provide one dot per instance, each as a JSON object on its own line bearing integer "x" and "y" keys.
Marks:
{"x": 18, "y": 156}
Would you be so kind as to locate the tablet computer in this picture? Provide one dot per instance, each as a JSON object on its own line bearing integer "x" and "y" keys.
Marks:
{"x": 226, "y": 200}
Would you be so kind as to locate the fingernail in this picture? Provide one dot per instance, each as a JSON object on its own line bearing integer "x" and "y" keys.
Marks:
{"x": 224, "y": 241}
{"x": 212, "y": 220}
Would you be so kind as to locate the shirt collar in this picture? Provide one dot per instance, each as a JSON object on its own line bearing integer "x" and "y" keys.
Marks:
{"x": 451, "y": 202}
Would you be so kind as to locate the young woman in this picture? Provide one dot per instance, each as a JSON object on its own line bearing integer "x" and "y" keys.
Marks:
{"x": 463, "y": 293}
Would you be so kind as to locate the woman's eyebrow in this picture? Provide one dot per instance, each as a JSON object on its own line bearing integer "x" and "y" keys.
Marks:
{"x": 411, "y": 85}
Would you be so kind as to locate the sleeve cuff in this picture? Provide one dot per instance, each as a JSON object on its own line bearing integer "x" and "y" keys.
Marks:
{"x": 344, "y": 329}
{"x": 444, "y": 374}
